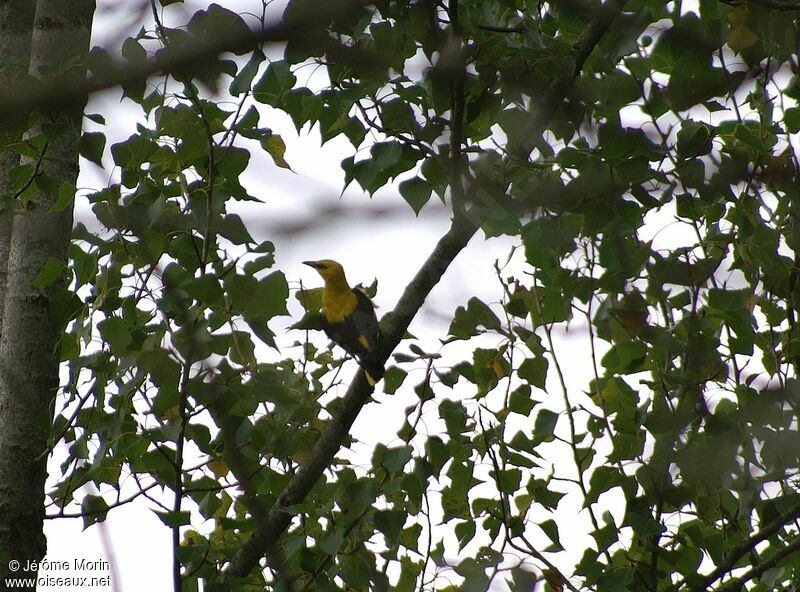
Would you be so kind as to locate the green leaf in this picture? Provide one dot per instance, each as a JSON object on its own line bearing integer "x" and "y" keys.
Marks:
{"x": 232, "y": 228}
{"x": 21, "y": 175}
{"x": 437, "y": 453}
{"x": 261, "y": 329}
{"x": 409, "y": 572}
{"x": 465, "y": 532}
{"x": 454, "y": 416}
{"x": 740, "y": 38}
{"x": 66, "y": 197}
{"x": 259, "y": 264}
{"x": 205, "y": 289}
{"x": 467, "y": 320}
{"x": 270, "y": 296}
{"x": 435, "y": 175}
{"x": 397, "y": 116}
{"x": 232, "y": 162}
{"x": 518, "y": 124}
{"x": 333, "y": 542}
{"x": 547, "y": 240}
{"x": 534, "y": 371}
{"x": 694, "y": 139}
{"x": 65, "y": 305}
{"x": 508, "y": 480}
{"x": 522, "y": 579}
{"x": 96, "y": 117}
{"x": 277, "y": 80}
{"x": 791, "y": 118}
{"x": 416, "y": 192}
{"x": 455, "y": 500}
{"x": 136, "y": 56}
{"x": 392, "y": 379}
{"x": 310, "y": 321}
{"x": 603, "y": 478}
{"x": 303, "y": 106}
{"x": 94, "y": 509}
{"x": 390, "y": 523}
{"x": 162, "y": 368}
{"x": 395, "y": 459}
{"x": 241, "y": 83}
{"x": 115, "y": 332}
{"x": 387, "y": 160}
{"x": 618, "y": 144}
{"x": 174, "y": 519}
{"x": 409, "y": 538}
{"x": 52, "y": 271}
{"x": 217, "y": 21}
{"x": 545, "y": 425}
{"x": 274, "y": 145}
{"x": 547, "y": 305}
{"x": 673, "y": 270}
{"x": 520, "y": 400}
{"x": 91, "y": 147}
{"x": 550, "y": 528}
{"x": 625, "y": 358}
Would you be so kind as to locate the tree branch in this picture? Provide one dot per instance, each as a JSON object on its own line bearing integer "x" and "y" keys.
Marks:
{"x": 21, "y": 99}
{"x": 558, "y": 88}
{"x": 457, "y": 73}
{"x": 774, "y": 4}
{"x": 499, "y": 29}
{"x": 393, "y": 326}
{"x": 737, "y": 584}
{"x": 743, "y": 548}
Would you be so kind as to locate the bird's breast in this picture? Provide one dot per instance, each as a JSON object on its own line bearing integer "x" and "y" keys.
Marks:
{"x": 338, "y": 306}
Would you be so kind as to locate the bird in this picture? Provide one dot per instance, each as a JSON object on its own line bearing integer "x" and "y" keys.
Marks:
{"x": 348, "y": 318}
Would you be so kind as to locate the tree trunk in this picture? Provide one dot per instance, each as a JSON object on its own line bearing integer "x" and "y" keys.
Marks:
{"x": 16, "y": 25}
{"x": 29, "y": 352}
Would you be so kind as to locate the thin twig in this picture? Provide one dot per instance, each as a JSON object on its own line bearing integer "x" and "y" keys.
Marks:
{"x": 497, "y": 29}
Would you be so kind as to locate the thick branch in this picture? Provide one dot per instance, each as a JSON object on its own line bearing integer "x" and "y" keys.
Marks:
{"x": 189, "y": 59}
{"x": 738, "y": 583}
{"x": 774, "y": 4}
{"x": 393, "y": 327}
{"x": 244, "y": 470}
{"x": 745, "y": 547}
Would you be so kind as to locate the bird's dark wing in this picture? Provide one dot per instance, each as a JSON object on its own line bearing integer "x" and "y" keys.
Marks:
{"x": 368, "y": 337}
{"x": 365, "y": 321}
{"x": 358, "y": 332}
{"x": 358, "y": 335}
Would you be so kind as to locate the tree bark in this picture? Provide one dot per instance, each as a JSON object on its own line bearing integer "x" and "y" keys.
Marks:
{"x": 29, "y": 352}
{"x": 16, "y": 25}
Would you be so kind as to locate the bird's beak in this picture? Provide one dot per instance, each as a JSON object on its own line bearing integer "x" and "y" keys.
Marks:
{"x": 311, "y": 264}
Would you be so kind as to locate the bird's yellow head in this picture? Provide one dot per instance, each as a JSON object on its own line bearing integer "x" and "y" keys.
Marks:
{"x": 327, "y": 268}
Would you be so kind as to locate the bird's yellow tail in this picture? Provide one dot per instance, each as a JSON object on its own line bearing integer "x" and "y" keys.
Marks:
{"x": 372, "y": 368}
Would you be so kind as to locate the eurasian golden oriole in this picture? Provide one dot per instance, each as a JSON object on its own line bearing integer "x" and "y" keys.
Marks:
{"x": 348, "y": 318}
